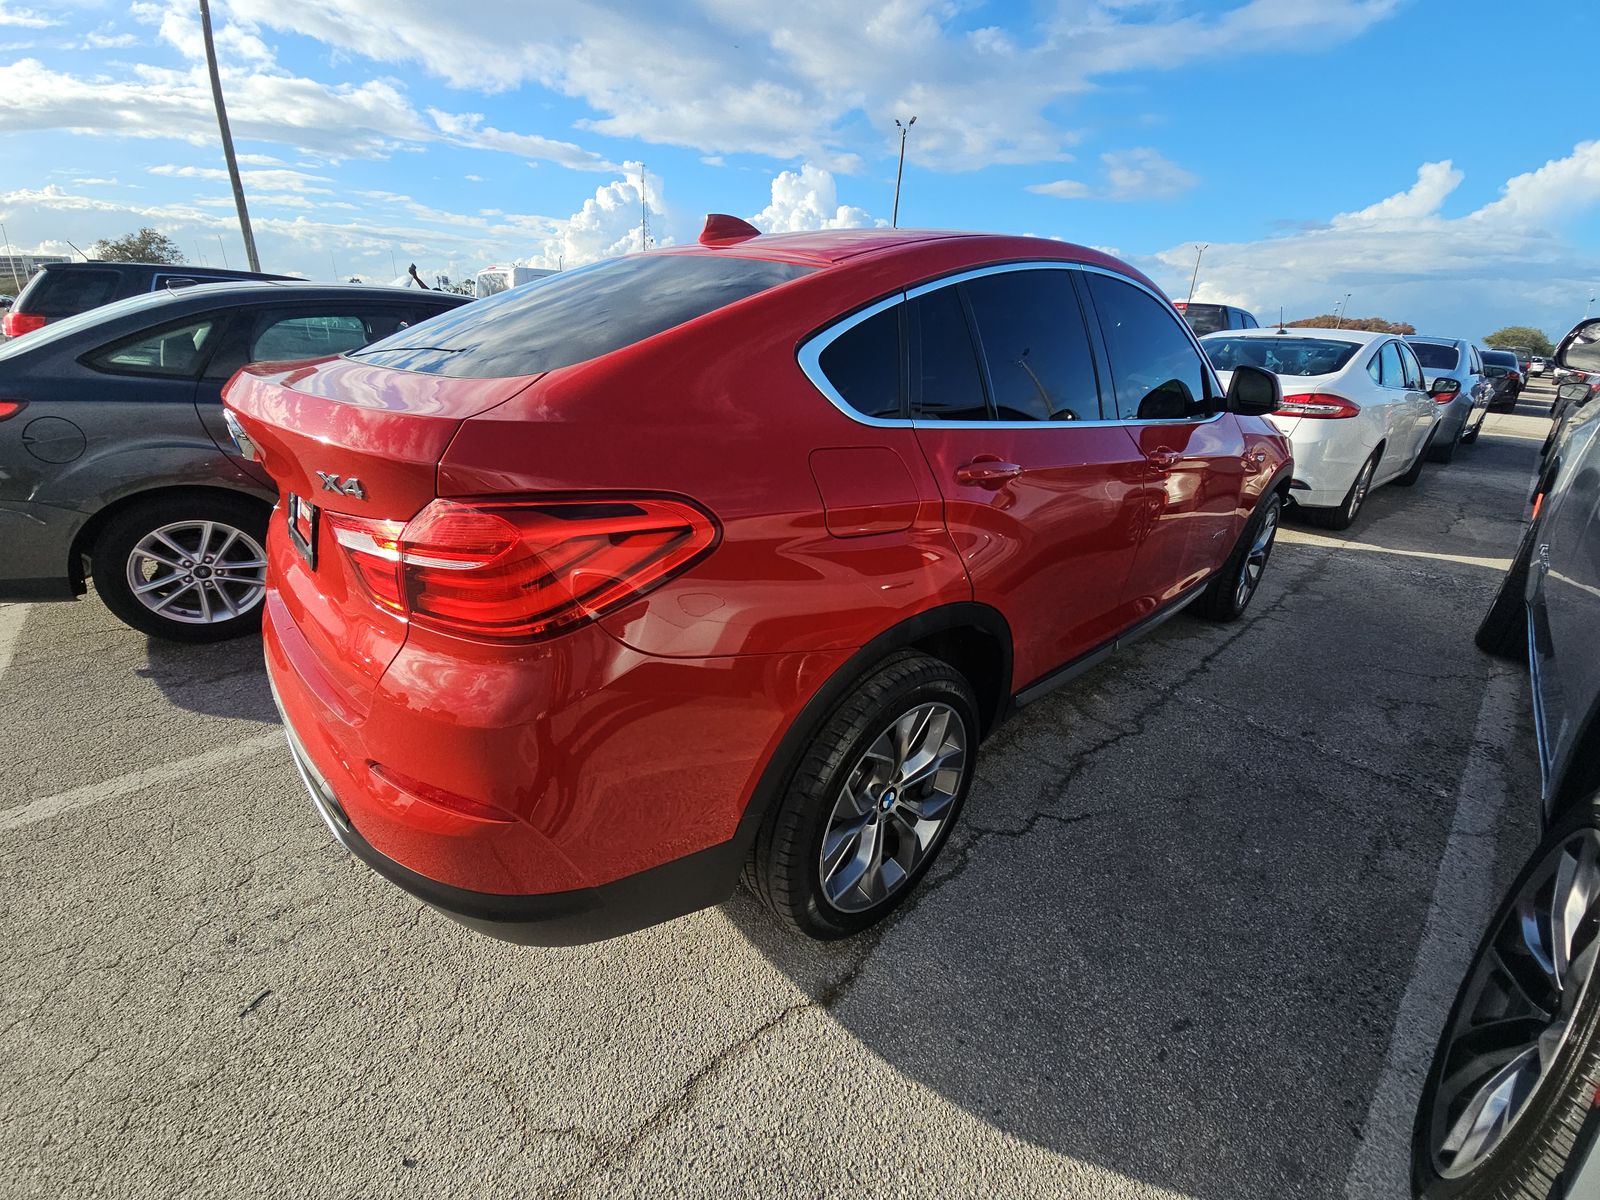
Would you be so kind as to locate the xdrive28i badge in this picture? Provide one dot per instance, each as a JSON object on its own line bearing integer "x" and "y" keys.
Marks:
{"x": 345, "y": 487}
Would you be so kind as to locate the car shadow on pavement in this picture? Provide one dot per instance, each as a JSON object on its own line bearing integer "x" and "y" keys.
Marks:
{"x": 219, "y": 679}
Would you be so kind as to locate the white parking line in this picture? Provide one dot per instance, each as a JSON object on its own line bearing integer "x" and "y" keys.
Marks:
{"x": 11, "y": 618}
{"x": 1462, "y": 899}
{"x": 1299, "y": 537}
{"x": 46, "y": 807}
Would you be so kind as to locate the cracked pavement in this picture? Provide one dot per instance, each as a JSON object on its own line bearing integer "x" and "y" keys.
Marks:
{"x": 1161, "y": 956}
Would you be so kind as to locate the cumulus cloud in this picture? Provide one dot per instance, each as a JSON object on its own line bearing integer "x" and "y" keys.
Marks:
{"x": 1401, "y": 259}
{"x": 608, "y": 223}
{"x": 809, "y": 199}
{"x": 1137, "y": 174}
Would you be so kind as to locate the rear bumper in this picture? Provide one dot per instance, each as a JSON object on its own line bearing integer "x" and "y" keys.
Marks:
{"x": 619, "y": 781}
{"x": 37, "y": 543}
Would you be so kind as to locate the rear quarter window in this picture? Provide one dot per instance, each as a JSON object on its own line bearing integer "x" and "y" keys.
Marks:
{"x": 1436, "y": 357}
{"x": 577, "y": 315}
{"x": 67, "y": 293}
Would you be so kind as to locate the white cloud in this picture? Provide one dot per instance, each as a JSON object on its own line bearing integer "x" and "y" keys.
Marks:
{"x": 276, "y": 179}
{"x": 24, "y": 18}
{"x": 809, "y": 199}
{"x": 1504, "y": 263}
{"x": 1137, "y": 174}
{"x": 608, "y": 223}
{"x": 468, "y": 129}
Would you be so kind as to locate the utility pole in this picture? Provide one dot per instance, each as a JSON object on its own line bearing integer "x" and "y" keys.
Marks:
{"x": 224, "y": 250}
{"x": 227, "y": 138}
{"x": 899, "y": 171}
{"x": 1196, "y": 276}
{"x": 644, "y": 213}
{"x": 1339, "y": 320}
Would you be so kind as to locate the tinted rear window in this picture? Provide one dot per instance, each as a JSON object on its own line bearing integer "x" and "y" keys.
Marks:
{"x": 64, "y": 293}
{"x": 1436, "y": 357}
{"x": 577, "y": 315}
{"x": 1280, "y": 355}
{"x": 1206, "y": 318}
{"x": 1503, "y": 358}
{"x": 863, "y": 364}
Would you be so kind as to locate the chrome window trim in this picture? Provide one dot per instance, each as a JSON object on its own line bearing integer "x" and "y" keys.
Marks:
{"x": 810, "y": 353}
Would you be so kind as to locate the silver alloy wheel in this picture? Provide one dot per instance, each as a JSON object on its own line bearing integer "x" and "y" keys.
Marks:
{"x": 893, "y": 805}
{"x": 1363, "y": 482}
{"x": 198, "y": 572}
{"x": 1255, "y": 559}
{"x": 1516, "y": 1010}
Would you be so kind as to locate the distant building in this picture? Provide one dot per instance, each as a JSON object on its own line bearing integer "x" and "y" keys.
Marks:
{"x": 17, "y": 269}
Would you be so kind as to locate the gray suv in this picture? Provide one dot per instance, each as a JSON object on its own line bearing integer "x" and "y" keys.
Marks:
{"x": 116, "y": 464}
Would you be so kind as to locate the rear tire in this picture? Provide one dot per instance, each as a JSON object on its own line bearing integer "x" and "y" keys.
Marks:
{"x": 1345, "y": 514}
{"x": 196, "y": 560}
{"x": 1229, "y": 593}
{"x": 1503, "y": 632}
{"x": 856, "y": 808}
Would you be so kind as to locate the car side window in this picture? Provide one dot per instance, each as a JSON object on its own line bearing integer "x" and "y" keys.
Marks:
{"x": 289, "y": 338}
{"x": 1156, "y": 372}
{"x": 1394, "y": 374}
{"x": 1248, "y": 322}
{"x": 863, "y": 364}
{"x": 946, "y": 384}
{"x": 175, "y": 352}
{"x": 1477, "y": 362}
{"x": 1034, "y": 344}
{"x": 1375, "y": 366}
{"x": 1413, "y": 368}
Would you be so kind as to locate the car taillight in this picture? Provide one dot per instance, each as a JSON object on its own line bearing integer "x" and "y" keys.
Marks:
{"x": 10, "y": 408}
{"x": 1317, "y": 404}
{"x": 524, "y": 570}
{"x": 15, "y": 324}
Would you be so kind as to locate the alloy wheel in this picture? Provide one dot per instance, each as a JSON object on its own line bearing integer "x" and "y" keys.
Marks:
{"x": 1516, "y": 1010}
{"x": 1255, "y": 559}
{"x": 893, "y": 806}
{"x": 198, "y": 572}
{"x": 1363, "y": 482}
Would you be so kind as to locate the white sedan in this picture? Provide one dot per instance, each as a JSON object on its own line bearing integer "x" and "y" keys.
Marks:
{"x": 1355, "y": 408}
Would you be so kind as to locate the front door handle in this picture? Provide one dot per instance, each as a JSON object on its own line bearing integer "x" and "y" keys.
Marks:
{"x": 987, "y": 472}
{"x": 1163, "y": 459}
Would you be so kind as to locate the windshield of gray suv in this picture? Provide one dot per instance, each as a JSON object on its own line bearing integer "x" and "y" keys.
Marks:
{"x": 1280, "y": 355}
{"x": 1436, "y": 357}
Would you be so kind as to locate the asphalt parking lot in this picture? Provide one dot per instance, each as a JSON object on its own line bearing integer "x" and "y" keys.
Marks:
{"x": 1194, "y": 937}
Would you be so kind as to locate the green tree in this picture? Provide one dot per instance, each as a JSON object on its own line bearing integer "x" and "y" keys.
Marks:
{"x": 144, "y": 246}
{"x": 1366, "y": 324}
{"x": 1521, "y": 335}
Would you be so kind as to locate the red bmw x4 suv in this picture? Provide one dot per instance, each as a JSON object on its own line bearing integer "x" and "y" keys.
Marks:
{"x": 588, "y": 597}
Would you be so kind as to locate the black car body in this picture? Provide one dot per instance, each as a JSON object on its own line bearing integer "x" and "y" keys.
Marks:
{"x": 1511, "y": 1104}
{"x": 66, "y": 289}
{"x": 1213, "y": 318}
{"x": 112, "y": 438}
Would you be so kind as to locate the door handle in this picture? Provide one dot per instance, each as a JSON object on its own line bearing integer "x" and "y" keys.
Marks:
{"x": 1164, "y": 459}
{"x": 987, "y": 472}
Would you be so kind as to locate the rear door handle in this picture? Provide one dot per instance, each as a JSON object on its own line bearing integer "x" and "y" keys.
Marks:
{"x": 987, "y": 472}
{"x": 1164, "y": 459}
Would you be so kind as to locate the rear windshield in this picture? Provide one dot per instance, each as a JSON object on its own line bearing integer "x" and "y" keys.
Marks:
{"x": 1436, "y": 357}
{"x": 1503, "y": 357}
{"x": 63, "y": 293}
{"x": 1206, "y": 318}
{"x": 1280, "y": 355}
{"x": 576, "y": 315}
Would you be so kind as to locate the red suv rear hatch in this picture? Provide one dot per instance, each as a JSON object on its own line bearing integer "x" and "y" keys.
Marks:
{"x": 345, "y": 440}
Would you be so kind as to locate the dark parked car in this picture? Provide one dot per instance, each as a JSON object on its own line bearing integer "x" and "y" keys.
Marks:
{"x": 1505, "y": 376}
{"x": 66, "y": 289}
{"x": 1509, "y": 1107}
{"x": 1213, "y": 318}
{"x": 113, "y": 447}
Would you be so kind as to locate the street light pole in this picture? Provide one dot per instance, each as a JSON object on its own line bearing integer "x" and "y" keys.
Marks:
{"x": 227, "y": 139}
{"x": 1339, "y": 320}
{"x": 1195, "y": 277}
{"x": 894, "y": 221}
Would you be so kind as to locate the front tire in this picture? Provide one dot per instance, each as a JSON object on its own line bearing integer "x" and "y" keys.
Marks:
{"x": 872, "y": 802}
{"x": 1515, "y": 1070}
{"x": 1414, "y": 471}
{"x": 1344, "y": 515}
{"x": 1229, "y": 594}
{"x": 187, "y": 567}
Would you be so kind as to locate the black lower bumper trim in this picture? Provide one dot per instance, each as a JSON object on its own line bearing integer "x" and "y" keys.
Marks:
{"x": 633, "y": 902}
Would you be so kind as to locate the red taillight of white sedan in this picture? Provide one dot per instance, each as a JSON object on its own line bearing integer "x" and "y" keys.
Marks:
{"x": 1318, "y": 404}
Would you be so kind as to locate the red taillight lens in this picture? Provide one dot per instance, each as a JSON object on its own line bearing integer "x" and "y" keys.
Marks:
{"x": 15, "y": 324}
{"x": 10, "y": 408}
{"x": 522, "y": 571}
{"x": 1318, "y": 404}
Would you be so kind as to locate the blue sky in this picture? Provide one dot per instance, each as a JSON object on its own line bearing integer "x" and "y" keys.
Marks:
{"x": 1433, "y": 158}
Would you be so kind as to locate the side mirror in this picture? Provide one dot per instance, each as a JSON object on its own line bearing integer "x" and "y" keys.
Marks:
{"x": 1254, "y": 392}
{"x": 1444, "y": 386}
{"x": 1580, "y": 349}
{"x": 1575, "y": 393}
